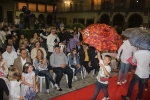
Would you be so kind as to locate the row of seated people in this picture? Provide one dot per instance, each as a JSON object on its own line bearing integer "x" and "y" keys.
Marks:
{"x": 58, "y": 60}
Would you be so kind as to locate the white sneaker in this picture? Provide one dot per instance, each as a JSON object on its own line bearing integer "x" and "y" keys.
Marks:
{"x": 47, "y": 91}
{"x": 105, "y": 98}
{"x": 75, "y": 78}
{"x": 118, "y": 83}
{"x": 123, "y": 82}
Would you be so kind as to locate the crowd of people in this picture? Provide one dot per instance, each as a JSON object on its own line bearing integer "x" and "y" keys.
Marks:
{"x": 22, "y": 59}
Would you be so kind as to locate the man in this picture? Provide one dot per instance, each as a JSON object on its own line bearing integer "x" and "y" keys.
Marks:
{"x": 27, "y": 18}
{"x": 52, "y": 40}
{"x": 21, "y": 60}
{"x": 59, "y": 61}
{"x": 10, "y": 42}
{"x": 9, "y": 55}
{"x": 142, "y": 57}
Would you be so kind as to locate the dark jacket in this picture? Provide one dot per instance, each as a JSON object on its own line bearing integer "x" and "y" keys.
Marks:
{"x": 82, "y": 55}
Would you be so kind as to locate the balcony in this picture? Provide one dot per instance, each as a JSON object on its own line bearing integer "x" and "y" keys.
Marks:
{"x": 129, "y": 7}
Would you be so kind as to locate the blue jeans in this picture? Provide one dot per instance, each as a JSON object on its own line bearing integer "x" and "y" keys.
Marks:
{"x": 98, "y": 87}
{"x": 146, "y": 84}
{"x": 76, "y": 69}
{"x": 141, "y": 84}
{"x": 124, "y": 68}
{"x": 48, "y": 77}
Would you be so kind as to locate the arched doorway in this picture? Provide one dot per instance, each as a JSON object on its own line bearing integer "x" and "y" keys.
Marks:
{"x": 21, "y": 17}
{"x": 1, "y": 14}
{"x": 118, "y": 20}
{"x": 104, "y": 19}
{"x": 49, "y": 19}
{"x": 41, "y": 17}
{"x": 135, "y": 20}
{"x": 32, "y": 18}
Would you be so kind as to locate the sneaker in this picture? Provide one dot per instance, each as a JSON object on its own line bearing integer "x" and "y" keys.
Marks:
{"x": 118, "y": 83}
{"x": 47, "y": 91}
{"x": 105, "y": 98}
{"x": 124, "y": 97}
{"x": 123, "y": 82}
{"x": 75, "y": 78}
{"x": 57, "y": 87}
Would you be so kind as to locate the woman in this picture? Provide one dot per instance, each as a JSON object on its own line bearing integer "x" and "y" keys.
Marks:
{"x": 34, "y": 50}
{"x": 34, "y": 39}
{"x": 85, "y": 58}
{"x": 3, "y": 67}
{"x": 5, "y": 32}
{"x": 74, "y": 62}
{"x": 125, "y": 51}
{"x": 3, "y": 80}
{"x": 40, "y": 64}
{"x": 22, "y": 39}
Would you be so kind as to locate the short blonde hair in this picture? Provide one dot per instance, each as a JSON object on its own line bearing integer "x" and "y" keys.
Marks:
{"x": 14, "y": 74}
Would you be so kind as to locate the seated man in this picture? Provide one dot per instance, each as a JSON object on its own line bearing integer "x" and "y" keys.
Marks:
{"x": 9, "y": 55}
{"x": 59, "y": 61}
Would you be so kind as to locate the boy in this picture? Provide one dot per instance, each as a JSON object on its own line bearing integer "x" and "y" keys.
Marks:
{"x": 103, "y": 76}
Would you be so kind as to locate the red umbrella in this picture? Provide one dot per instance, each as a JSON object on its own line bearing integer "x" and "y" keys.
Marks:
{"x": 102, "y": 37}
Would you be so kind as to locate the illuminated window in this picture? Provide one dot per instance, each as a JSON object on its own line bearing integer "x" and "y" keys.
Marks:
{"x": 32, "y": 7}
{"x": 49, "y": 8}
{"x": 41, "y": 8}
{"x": 20, "y": 5}
{"x": 55, "y": 7}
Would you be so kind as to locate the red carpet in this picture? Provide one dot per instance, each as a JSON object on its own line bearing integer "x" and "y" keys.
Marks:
{"x": 114, "y": 90}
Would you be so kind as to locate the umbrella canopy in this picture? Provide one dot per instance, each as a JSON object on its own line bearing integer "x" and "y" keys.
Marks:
{"x": 102, "y": 37}
{"x": 138, "y": 37}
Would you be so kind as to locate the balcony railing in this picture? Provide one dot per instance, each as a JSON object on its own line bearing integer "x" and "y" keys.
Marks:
{"x": 106, "y": 7}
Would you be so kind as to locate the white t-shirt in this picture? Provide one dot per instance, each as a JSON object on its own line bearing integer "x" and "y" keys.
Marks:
{"x": 102, "y": 74}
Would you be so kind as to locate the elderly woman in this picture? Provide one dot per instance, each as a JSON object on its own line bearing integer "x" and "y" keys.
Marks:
{"x": 40, "y": 64}
{"x": 34, "y": 50}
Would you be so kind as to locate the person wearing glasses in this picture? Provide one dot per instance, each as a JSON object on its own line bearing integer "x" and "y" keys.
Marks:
{"x": 21, "y": 60}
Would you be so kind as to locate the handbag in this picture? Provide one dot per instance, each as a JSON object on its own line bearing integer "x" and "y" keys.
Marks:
{"x": 30, "y": 94}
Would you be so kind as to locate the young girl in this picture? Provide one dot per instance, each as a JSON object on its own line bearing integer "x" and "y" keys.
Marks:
{"x": 103, "y": 76}
{"x": 28, "y": 79}
{"x": 74, "y": 62}
{"x": 14, "y": 84}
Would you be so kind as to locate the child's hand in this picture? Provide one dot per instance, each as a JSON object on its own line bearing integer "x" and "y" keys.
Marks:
{"x": 101, "y": 65}
{"x": 31, "y": 85}
{"x": 21, "y": 98}
{"x": 34, "y": 89}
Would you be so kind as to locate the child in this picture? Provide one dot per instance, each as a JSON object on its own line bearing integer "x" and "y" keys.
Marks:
{"x": 14, "y": 84}
{"x": 74, "y": 62}
{"x": 28, "y": 79}
{"x": 103, "y": 76}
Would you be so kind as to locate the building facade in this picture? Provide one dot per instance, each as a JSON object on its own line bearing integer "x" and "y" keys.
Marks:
{"x": 41, "y": 10}
{"x": 123, "y": 13}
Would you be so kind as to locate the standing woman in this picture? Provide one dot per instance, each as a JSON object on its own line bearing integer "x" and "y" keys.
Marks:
{"x": 125, "y": 51}
{"x": 40, "y": 64}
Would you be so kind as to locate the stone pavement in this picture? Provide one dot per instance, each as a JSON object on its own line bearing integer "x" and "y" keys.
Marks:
{"x": 80, "y": 83}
